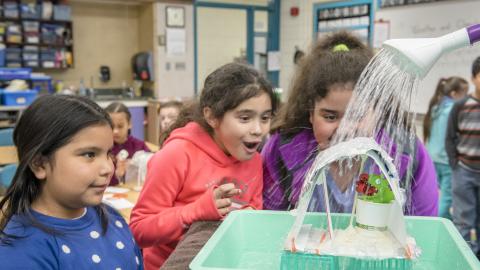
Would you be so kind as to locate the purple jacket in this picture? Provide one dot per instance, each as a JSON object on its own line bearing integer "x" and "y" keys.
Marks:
{"x": 298, "y": 153}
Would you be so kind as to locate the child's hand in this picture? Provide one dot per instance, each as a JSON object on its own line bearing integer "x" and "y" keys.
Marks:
{"x": 222, "y": 195}
{"x": 121, "y": 168}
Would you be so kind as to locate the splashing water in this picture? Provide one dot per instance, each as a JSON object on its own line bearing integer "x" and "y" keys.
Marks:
{"x": 380, "y": 108}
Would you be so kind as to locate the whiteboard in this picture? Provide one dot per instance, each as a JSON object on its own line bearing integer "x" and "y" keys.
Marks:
{"x": 432, "y": 20}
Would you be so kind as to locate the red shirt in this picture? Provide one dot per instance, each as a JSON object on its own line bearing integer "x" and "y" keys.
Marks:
{"x": 179, "y": 190}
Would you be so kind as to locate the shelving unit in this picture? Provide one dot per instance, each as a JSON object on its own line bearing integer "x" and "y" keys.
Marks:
{"x": 353, "y": 16}
{"x": 41, "y": 84}
{"x": 9, "y": 115}
{"x": 34, "y": 37}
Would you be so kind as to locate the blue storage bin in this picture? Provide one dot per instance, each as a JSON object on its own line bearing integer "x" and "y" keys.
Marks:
{"x": 31, "y": 63}
{"x": 52, "y": 33}
{"x": 62, "y": 13}
{"x": 17, "y": 98}
{"x": 49, "y": 38}
{"x": 30, "y": 54}
{"x": 30, "y": 11}
{"x": 13, "y": 54}
{"x": 15, "y": 73}
{"x": 47, "y": 54}
{"x": 13, "y": 64}
{"x": 10, "y": 9}
{"x": 6, "y": 174}
{"x": 42, "y": 85}
{"x": 2, "y": 56}
{"x": 29, "y": 26}
{"x": 31, "y": 38}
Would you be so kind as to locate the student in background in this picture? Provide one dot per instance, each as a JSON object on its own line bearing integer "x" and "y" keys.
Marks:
{"x": 186, "y": 112}
{"x": 168, "y": 114}
{"x": 462, "y": 144}
{"x": 206, "y": 167}
{"x": 306, "y": 124}
{"x": 125, "y": 145}
{"x": 434, "y": 130}
{"x": 52, "y": 216}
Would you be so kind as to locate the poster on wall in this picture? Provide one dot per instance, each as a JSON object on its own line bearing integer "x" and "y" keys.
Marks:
{"x": 176, "y": 42}
{"x": 273, "y": 61}
{"x": 260, "y": 44}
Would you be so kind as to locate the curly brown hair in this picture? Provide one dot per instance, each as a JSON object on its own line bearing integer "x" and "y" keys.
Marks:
{"x": 318, "y": 71}
{"x": 224, "y": 89}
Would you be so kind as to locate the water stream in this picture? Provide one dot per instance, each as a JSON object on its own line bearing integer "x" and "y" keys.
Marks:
{"x": 380, "y": 109}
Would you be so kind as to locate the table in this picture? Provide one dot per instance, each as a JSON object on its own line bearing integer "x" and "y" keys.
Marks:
{"x": 8, "y": 155}
{"x": 152, "y": 147}
{"x": 131, "y": 196}
{"x": 192, "y": 242}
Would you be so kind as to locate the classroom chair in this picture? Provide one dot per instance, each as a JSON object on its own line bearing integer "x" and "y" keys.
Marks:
{"x": 6, "y": 174}
{"x": 6, "y": 137}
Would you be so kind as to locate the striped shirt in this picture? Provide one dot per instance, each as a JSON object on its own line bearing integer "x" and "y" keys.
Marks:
{"x": 463, "y": 134}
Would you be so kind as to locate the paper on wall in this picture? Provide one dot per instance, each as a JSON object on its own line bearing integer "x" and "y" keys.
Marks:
{"x": 273, "y": 61}
{"x": 176, "y": 42}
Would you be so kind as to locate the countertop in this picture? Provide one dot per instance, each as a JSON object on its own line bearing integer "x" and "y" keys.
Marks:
{"x": 102, "y": 103}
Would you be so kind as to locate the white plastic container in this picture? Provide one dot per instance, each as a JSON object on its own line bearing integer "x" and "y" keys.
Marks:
{"x": 372, "y": 215}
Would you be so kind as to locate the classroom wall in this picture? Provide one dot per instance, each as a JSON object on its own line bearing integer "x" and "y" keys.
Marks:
{"x": 219, "y": 43}
{"x": 434, "y": 20}
{"x": 146, "y": 27}
{"x": 104, "y": 34}
{"x": 294, "y": 31}
{"x": 244, "y": 2}
{"x": 298, "y": 31}
{"x": 174, "y": 74}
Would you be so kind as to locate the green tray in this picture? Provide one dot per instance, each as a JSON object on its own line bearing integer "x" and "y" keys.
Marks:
{"x": 254, "y": 240}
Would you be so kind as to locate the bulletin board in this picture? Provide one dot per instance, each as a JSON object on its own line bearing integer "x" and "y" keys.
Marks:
{"x": 432, "y": 20}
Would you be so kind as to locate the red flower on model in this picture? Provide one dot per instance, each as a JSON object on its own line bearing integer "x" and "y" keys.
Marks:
{"x": 363, "y": 187}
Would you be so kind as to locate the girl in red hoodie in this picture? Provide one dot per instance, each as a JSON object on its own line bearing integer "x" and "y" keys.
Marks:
{"x": 209, "y": 164}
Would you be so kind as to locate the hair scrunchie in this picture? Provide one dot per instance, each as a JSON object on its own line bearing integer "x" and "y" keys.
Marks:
{"x": 340, "y": 48}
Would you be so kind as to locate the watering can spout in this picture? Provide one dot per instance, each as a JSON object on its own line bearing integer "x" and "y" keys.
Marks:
{"x": 474, "y": 33}
{"x": 418, "y": 55}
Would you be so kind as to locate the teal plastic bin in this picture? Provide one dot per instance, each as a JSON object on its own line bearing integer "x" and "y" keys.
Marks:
{"x": 17, "y": 98}
{"x": 254, "y": 240}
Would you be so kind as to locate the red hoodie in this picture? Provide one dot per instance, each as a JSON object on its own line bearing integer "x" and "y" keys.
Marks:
{"x": 179, "y": 190}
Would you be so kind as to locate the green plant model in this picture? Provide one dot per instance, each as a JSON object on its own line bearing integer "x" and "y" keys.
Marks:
{"x": 374, "y": 188}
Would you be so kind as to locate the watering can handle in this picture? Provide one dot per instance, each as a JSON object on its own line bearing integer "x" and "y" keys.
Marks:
{"x": 473, "y": 33}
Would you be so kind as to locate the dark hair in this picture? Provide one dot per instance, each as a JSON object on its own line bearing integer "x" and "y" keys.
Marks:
{"x": 321, "y": 68}
{"x": 476, "y": 67}
{"x": 118, "y": 107}
{"x": 444, "y": 88}
{"x": 224, "y": 89}
{"x": 46, "y": 125}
